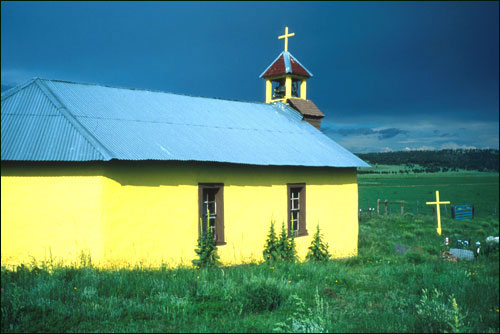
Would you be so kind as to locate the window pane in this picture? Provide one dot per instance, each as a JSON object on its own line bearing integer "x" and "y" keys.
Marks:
{"x": 212, "y": 207}
{"x": 209, "y": 194}
{"x": 295, "y": 220}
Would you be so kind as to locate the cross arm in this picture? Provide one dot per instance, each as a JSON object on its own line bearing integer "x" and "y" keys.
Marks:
{"x": 286, "y": 36}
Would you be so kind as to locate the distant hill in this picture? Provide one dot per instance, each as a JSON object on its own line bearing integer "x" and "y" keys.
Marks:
{"x": 434, "y": 161}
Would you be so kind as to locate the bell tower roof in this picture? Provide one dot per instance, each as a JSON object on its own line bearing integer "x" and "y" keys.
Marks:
{"x": 286, "y": 82}
{"x": 285, "y": 63}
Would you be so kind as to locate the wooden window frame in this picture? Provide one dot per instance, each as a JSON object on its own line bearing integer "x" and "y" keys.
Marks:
{"x": 219, "y": 202}
{"x": 302, "y": 231}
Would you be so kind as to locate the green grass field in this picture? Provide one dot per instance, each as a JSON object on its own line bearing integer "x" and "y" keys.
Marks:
{"x": 479, "y": 189}
{"x": 377, "y": 291}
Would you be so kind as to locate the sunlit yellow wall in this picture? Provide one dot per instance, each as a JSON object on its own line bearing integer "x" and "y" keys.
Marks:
{"x": 147, "y": 212}
{"x": 50, "y": 211}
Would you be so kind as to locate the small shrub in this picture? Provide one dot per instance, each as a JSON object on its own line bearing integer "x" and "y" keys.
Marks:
{"x": 271, "y": 248}
{"x": 282, "y": 244}
{"x": 318, "y": 250}
{"x": 286, "y": 246}
{"x": 437, "y": 316}
{"x": 291, "y": 253}
{"x": 303, "y": 319}
{"x": 261, "y": 294}
{"x": 206, "y": 250}
{"x": 280, "y": 248}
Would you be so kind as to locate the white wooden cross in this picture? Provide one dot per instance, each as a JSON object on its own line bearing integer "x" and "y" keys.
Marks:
{"x": 437, "y": 202}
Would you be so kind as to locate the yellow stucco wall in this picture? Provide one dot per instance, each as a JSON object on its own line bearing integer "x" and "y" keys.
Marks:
{"x": 127, "y": 213}
{"x": 50, "y": 211}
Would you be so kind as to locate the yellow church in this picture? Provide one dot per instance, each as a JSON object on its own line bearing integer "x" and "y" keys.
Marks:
{"x": 126, "y": 175}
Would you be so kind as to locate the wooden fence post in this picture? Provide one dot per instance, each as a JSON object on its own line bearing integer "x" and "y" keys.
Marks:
{"x": 402, "y": 207}
{"x": 378, "y": 206}
{"x": 386, "y": 207}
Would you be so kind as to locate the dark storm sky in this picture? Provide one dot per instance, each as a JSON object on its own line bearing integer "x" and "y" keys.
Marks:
{"x": 388, "y": 75}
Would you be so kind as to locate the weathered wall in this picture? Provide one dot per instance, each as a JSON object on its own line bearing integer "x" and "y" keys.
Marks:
{"x": 147, "y": 212}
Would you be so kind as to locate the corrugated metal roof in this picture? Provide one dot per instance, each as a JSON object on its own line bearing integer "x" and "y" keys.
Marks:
{"x": 50, "y": 120}
{"x": 32, "y": 128}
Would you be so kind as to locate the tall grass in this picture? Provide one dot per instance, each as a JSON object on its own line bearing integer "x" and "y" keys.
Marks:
{"x": 377, "y": 291}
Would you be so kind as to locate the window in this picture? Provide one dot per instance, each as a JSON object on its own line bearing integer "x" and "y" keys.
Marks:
{"x": 211, "y": 210}
{"x": 296, "y": 197}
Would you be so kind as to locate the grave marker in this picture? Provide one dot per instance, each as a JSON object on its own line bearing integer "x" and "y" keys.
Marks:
{"x": 462, "y": 212}
{"x": 437, "y": 203}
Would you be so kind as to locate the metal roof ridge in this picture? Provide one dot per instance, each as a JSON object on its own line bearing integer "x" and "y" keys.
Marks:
{"x": 8, "y": 93}
{"x": 84, "y": 132}
{"x": 148, "y": 90}
{"x": 288, "y": 65}
{"x": 197, "y": 125}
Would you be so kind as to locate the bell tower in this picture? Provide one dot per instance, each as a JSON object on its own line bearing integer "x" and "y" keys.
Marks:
{"x": 286, "y": 76}
{"x": 286, "y": 82}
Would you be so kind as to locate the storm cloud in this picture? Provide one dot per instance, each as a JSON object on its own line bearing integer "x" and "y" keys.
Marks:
{"x": 389, "y": 133}
{"x": 382, "y": 134}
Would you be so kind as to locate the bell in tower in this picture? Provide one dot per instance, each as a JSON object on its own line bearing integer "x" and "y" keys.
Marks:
{"x": 286, "y": 82}
{"x": 280, "y": 90}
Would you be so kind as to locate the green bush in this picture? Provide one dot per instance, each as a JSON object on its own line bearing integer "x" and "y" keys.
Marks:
{"x": 291, "y": 251}
{"x": 280, "y": 248}
{"x": 286, "y": 246}
{"x": 318, "y": 250}
{"x": 434, "y": 315}
{"x": 271, "y": 247}
{"x": 261, "y": 294}
{"x": 206, "y": 250}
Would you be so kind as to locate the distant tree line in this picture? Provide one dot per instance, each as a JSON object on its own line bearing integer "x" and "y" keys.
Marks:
{"x": 485, "y": 160}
